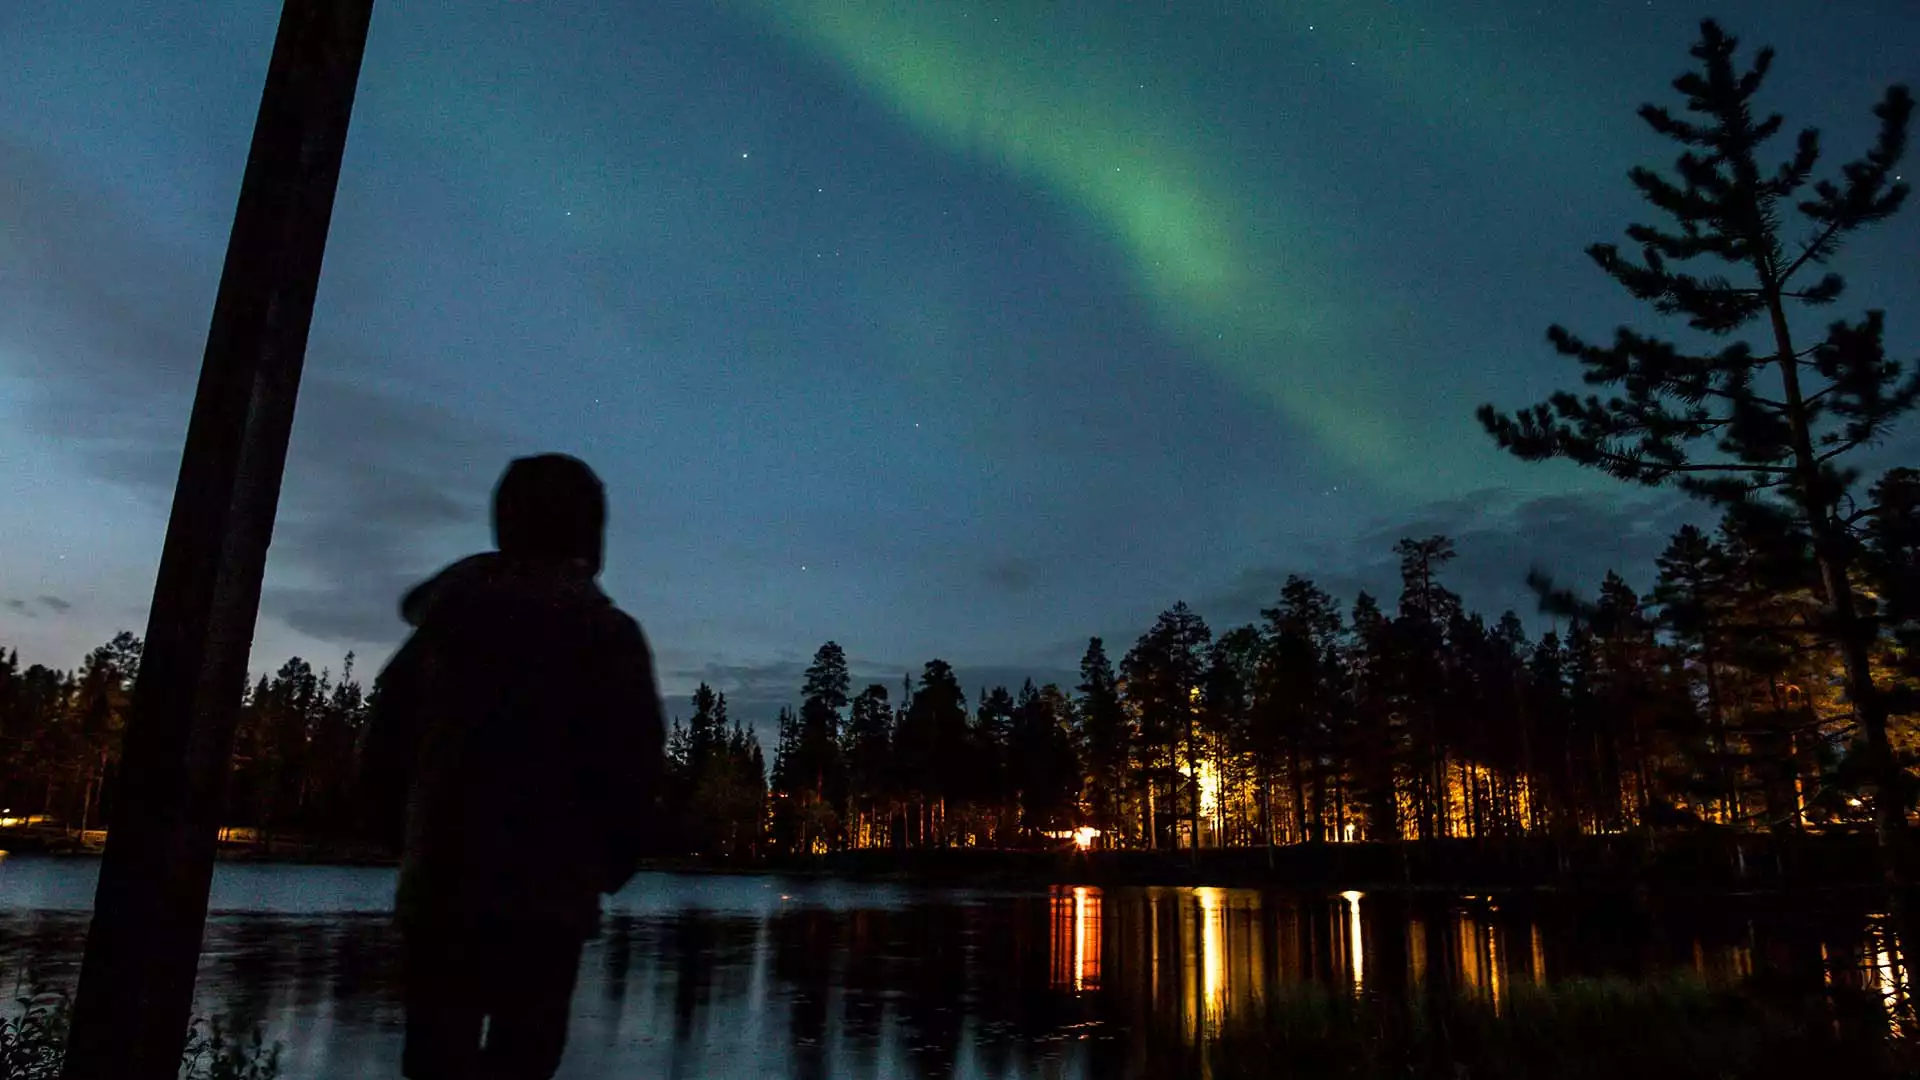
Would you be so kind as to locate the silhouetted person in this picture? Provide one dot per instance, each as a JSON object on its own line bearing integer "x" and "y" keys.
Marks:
{"x": 515, "y": 751}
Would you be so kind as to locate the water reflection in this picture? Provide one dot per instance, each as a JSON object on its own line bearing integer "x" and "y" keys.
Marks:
{"x": 1356, "y": 943}
{"x": 1207, "y": 1001}
{"x": 1075, "y": 938}
{"x": 1886, "y": 975}
{"x": 697, "y": 976}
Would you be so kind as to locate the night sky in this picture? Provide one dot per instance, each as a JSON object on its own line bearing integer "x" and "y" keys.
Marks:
{"x": 939, "y": 329}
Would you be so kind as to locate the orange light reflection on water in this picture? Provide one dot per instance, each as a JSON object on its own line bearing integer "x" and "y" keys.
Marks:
{"x": 1202, "y": 960}
{"x": 1356, "y": 943}
{"x": 1076, "y": 939}
{"x": 1887, "y": 978}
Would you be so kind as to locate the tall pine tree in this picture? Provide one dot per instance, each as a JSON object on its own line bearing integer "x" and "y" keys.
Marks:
{"x": 1766, "y": 426}
{"x": 1107, "y": 740}
{"x": 869, "y": 759}
{"x": 1164, "y": 674}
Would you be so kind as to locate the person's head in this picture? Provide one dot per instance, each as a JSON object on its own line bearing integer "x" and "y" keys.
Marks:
{"x": 551, "y": 506}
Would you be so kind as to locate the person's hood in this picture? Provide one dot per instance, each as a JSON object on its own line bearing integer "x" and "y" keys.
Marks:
{"x": 489, "y": 574}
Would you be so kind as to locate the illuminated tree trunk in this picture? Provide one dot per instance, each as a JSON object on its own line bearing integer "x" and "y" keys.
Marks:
{"x": 1832, "y": 553}
{"x": 1193, "y": 784}
{"x": 1266, "y": 807}
{"x": 1296, "y": 780}
{"x": 1153, "y": 835}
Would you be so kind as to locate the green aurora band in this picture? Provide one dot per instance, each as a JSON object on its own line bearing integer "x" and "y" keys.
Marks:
{"x": 1220, "y": 258}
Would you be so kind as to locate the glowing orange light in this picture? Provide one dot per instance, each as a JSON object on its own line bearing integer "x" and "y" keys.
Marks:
{"x": 1356, "y": 944}
{"x": 1075, "y": 938}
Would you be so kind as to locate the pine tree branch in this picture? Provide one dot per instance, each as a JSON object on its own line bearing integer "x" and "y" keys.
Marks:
{"x": 1812, "y": 252}
{"x": 1742, "y": 398}
{"x": 1691, "y": 466}
{"x": 1859, "y": 515}
{"x": 1848, "y": 446}
{"x": 1823, "y": 292}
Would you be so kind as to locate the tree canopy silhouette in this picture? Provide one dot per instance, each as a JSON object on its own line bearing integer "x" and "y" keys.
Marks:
{"x": 1768, "y": 428}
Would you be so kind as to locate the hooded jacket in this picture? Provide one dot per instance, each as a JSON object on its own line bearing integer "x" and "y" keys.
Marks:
{"x": 515, "y": 746}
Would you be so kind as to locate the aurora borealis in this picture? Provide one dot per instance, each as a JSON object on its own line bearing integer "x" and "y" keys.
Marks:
{"x": 1153, "y": 150}
{"x": 957, "y": 329}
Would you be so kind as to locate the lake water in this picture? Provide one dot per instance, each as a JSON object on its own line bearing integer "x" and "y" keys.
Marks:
{"x": 744, "y": 976}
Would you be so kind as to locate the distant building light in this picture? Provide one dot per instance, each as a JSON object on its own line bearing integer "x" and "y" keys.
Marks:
{"x": 1855, "y": 802}
{"x": 1082, "y": 837}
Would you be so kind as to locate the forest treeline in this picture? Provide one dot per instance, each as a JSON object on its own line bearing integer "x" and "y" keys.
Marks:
{"x": 1711, "y": 701}
{"x": 295, "y": 756}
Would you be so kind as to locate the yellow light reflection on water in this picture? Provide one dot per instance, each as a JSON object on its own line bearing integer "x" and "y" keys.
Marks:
{"x": 1886, "y": 975}
{"x": 1466, "y": 943}
{"x": 1539, "y": 951}
{"x": 1356, "y": 945}
{"x": 1153, "y": 949}
{"x": 1075, "y": 938}
{"x": 1481, "y": 964}
{"x": 1213, "y": 959}
{"x": 1195, "y": 961}
{"x": 1417, "y": 949}
{"x": 1493, "y": 966}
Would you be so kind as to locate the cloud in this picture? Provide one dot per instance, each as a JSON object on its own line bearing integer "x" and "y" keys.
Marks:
{"x": 1576, "y": 538}
{"x": 32, "y": 609}
{"x": 370, "y": 478}
{"x": 110, "y": 319}
{"x": 1013, "y": 574}
{"x": 769, "y": 680}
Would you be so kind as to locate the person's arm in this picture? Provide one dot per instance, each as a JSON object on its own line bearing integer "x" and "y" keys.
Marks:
{"x": 634, "y": 759}
{"x": 395, "y": 725}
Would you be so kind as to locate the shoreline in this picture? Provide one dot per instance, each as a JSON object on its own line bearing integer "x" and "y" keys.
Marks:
{"x": 1727, "y": 864}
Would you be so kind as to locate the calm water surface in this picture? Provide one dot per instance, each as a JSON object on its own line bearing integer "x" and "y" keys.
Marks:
{"x": 736, "y": 976}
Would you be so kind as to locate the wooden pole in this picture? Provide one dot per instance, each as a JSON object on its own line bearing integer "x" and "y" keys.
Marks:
{"x": 136, "y": 982}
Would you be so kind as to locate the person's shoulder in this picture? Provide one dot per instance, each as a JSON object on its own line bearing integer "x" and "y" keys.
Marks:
{"x": 457, "y": 582}
{"x": 623, "y": 630}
